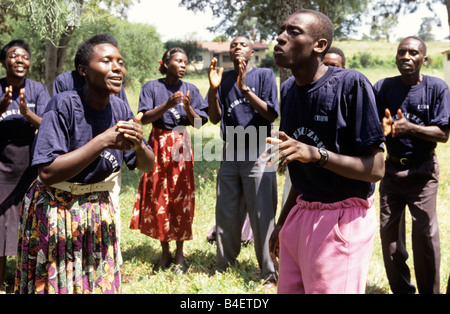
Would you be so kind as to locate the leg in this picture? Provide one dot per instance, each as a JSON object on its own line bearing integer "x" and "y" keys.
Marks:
{"x": 448, "y": 285}
{"x": 392, "y": 232}
{"x": 425, "y": 239}
{"x": 261, "y": 202}
{"x": 229, "y": 218}
{"x": 166, "y": 259}
{"x": 290, "y": 278}
{"x": 179, "y": 256}
{"x": 179, "y": 259}
{"x": 2, "y": 272}
{"x": 335, "y": 244}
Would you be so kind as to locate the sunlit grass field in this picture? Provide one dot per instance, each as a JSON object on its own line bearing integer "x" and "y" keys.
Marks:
{"x": 140, "y": 252}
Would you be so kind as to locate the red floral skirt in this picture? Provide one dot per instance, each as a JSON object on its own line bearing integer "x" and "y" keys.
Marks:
{"x": 165, "y": 202}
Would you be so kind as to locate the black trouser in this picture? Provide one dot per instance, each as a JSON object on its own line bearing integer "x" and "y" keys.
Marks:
{"x": 416, "y": 187}
{"x": 448, "y": 285}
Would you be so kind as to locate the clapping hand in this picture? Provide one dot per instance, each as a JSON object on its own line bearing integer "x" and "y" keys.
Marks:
{"x": 6, "y": 99}
{"x": 215, "y": 75}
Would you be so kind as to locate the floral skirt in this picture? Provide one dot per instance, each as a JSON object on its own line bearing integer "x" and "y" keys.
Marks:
{"x": 165, "y": 202}
{"x": 67, "y": 243}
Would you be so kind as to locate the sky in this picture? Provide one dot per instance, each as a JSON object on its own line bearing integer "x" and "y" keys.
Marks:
{"x": 175, "y": 22}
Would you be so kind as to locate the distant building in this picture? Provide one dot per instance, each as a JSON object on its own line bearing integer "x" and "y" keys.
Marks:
{"x": 221, "y": 51}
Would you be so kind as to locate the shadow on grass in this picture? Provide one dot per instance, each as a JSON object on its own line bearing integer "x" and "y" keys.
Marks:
{"x": 10, "y": 274}
{"x": 141, "y": 254}
{"x": 374, "y": 289}
{"x": 204, "y": 261}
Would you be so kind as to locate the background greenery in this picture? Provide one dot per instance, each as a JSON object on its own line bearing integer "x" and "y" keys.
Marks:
{"x": 141, "y": 252}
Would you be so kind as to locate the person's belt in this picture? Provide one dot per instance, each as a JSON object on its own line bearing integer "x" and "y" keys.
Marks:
{"x": 410, "y": 161}
{"x": 82, "y": 188}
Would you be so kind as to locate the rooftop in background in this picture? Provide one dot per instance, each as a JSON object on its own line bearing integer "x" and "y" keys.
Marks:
{"x": 218, "y": 47}
{"x": 221, "y": 51}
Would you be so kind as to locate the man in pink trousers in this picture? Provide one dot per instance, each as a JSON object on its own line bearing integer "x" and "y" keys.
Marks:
{"x": 331, "y": 139}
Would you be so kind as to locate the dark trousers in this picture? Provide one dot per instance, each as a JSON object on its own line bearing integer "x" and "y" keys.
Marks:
{"x": 448, "y": 285}
{"x": 248, "y": 180}
{"x": 415, "y": 187}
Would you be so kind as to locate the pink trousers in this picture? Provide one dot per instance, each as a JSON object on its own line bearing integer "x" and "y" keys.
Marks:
{"x": 326, "y": 248}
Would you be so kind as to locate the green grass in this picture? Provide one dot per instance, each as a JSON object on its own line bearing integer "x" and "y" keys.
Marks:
{"x": 141, "y": 252}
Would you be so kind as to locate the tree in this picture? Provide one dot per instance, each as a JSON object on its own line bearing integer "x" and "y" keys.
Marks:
{"x": 55, "y": 21}
{"x": 382, "y": 25}
{"x": 191, "y": 47}
{"x": 425, "y": 29}
{"x": 394, "y": 8}
{"x": 221, "y": 38}
{"x": 257, "y": 19}
{"x": 139, "y": 44}
{"x": 141, "y": 48}
{"x": 5, "y": 10}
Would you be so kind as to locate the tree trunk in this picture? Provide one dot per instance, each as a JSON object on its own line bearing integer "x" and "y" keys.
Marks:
{"x": 62, "y": 50}
{"x": 51, "y": 62}
{"x": 284, "y": 9}
{"x": 447, "y": 5}
{"x": 54, "y": 59}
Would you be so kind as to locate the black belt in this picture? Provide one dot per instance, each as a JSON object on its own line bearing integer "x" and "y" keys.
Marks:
{"x": 410, "y": 161}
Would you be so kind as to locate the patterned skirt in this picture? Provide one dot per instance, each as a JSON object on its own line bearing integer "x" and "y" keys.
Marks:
{"x": 165, "y": 202}
{"x": 67, "y": 243}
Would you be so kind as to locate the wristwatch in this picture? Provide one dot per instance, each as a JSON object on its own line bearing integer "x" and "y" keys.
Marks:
{"x": 323, "y": 157}
{"x": 246, "y": 90}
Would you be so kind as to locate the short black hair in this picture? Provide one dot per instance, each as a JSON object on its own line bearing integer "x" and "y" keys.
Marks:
{"x": 167, "y": 56}
{"x": 422, "y": 43}
{"x": 14, "y": 43}
{"x": 324, "y": 28}
{"x": 338, "y": 52}
{"x": 86, "y": 48}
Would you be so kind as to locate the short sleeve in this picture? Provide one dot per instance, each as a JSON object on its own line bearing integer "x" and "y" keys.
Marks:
{"x": 52, "y": 139}
{"x": 146, "y": 98}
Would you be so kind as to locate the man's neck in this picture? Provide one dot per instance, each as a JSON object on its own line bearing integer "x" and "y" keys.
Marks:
{"x": 307, "y": 75}
{"x": 412, "y": 80}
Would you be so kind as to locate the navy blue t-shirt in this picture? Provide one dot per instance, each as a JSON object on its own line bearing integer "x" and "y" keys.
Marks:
{"x": 425, "y": 104}
{"x": 337, "y": 112}
{"x": 16, "y": 132}
{"x": 73, "y": 80}
{"x": 14, "y": 126}
{"x": 157, "y": 92}
{"x": 69, "y": 124}
{"x": 236, "y": 109}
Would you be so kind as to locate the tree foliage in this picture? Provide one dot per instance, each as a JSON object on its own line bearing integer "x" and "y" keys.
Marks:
{"x": 258, "y": 19}
{"x": 55, "y": 22}
{"x": 141, "y": 48}
{"x": 191, "y": 47}
{"x": 139, "y": 44}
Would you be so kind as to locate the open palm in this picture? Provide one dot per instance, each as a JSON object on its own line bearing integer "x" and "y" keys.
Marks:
{"x": 215, "y": 75}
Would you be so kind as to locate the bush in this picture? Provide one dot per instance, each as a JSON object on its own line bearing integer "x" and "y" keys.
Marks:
{"x": 268, "y": 62}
